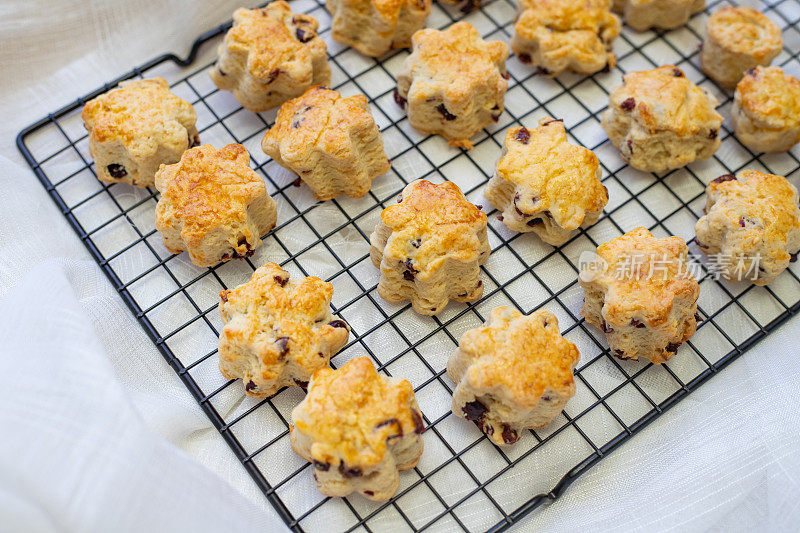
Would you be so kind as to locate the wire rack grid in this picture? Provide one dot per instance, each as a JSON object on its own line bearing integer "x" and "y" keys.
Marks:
{"x": 463, "y": 482}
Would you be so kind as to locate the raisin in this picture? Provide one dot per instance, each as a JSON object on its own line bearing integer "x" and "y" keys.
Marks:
{"x": 751, "y": 71}
{"x": 399, "y": 100}
{"x": 250, "y": 385}
{"x": 408, "y": 274}
{"x": 724, "y": 177}
{"x": 535, "y": 222}
{"x": 281, "y": 280}
{"x": 419, "y": 425}
{"x": 478, "y": 206}
{"x": 445, "y": 113}
{"x": 793, "y": 257}
{"x": 525, "y": 58}
{"x": 283, "y": 346}
{"x": 322, "y": 466}
{"x": 416, "y": 243}
{"x": 304, "y": 35}
{"x": 474, "y": 410}
{"x": 628, "y": 104}
{"x": 510, "y": 435}
{"x": 487, "y": 429}
{"x": 672, "y": 347}
{"x": 390, "y": 421}
{"x": 337, "y": 324}
{"x": 713, "y": 134}
{"x": 637, "y": 323}
{"x": 194, "y": 141}
{"x": 369, "y": 493}
{"x": 523, "y": 135}
{"x": 605, "y": 327}
{"x": 349, "y": 472}
{"x": 297, "y": 182}
{"x": 272, "y": 75}
{"x": 543, "y": 71}
{"x": 117, "y": 171}
{"x": 506, "y": 75}
{"x": 677, "y": 73}
{"x": 495, "y": 117}
{"x": 300, "y": 383}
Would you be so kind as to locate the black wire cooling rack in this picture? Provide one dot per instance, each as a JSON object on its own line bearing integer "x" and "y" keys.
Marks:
{"x": 463, "y": 481}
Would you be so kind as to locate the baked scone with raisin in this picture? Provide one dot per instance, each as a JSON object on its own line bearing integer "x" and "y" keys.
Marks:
{"x": 359, "y": 429}
{"x": 331, "y": 142}
{"x": 429, "y": 247}
{"x": 137, "y": 127}
{"x": 640, "y": 292}
{"x": 738, "y": 39}
{"x": 373, "y": 27}
{"x": 545, "y": 184}
{"x": 213, "y": 205}
{"x": 665, "y": 14}
{"x": 512, "y": 373}
{"x": 278, "y": 331}
{"x": 269, "y": 56}
{"x": 659, "y": 120}
{"x": 559, "y": 35}
{"x": 766, "y": 110}
{"x": 453, "y": 83}
{"x": 751, "y": 229}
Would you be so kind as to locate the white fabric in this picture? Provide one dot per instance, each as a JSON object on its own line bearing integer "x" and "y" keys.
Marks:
{"x": 97, "y": 431}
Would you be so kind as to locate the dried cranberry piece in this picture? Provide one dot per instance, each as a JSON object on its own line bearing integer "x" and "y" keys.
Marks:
{"x": 551, "y": 121}
{"x": 416, "y": 243}
{"x": 543, "y": 71}
{"x": 369, "y": 493}
{"x": 713, "y": 134}
{"x": 619, "y": 353}
{"x": 419, "y": 425}
{"x": 500, "y": 218}
{"x": 445, "y": 113}
{"x": 116, "y": 171}
{"x": 297, "y": 182}
{"x": 546, "y": 398}
{"x": 399, "y": 198}
{"x": 391, "y": 421}
{"x": 630, "y": 145}
{"x": 523, "y": 135}
{"x": 628, "y": 104}
{"x": 337, "y": 324}
{"x": 250, "y": 385}
{"x": 281, "y": 280}
{"x": 399, "y": 100}
{"x": 724, "y": 177}
{"x": 272, "y": 75}
{"x": 673, "y": 347}
{"x": 697, "y": 317}
{"x": 474, "y": 410}
{"x": 742, "y": 222}
{"x": 321, "y": 466}
{"x": 283, "y": 346}
{"x": 506, "y": 75}
{"x": 349, "y": 472}
{"x": 677, "y": 73}
{"x": 304, "y": 35}
{"x": 408, "y": 274}
{"x": 525, "y": 58}
{"x": 751, "y": 71}
{"x": 300, "y": 383}
{"x": 793, "y": 257}
{"x": 605, "y": 327}
{"x": 638, "y": 323}
{"x": 487, "y": 429}
{"x": 510, "y": 435}
{"x": 535, "y": 222}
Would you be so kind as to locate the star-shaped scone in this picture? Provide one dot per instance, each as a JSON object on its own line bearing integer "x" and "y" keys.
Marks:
{"x": 213, "y": 205}
{"x": 453, "y": 83}
{"x": 559, "y": 35}
{"x": 751, "y": 228}
{"x": 659, "y": 120}
{"x": 545, "y": 184}
{"x": 137, "y": 127}
{"x": 271, "y": 55}
{"x": 666, "y": 14}
{"x": 766, "y": 110}
{"x": 331, "y": 142}
{"x": 373, "y": 27}
{"x": 278, "y": 331}
{"x": 359, "y": 429}
{"x": 512, "y": 373}
{"x": 640, "y": 291}
{"x": 429, "y": 247}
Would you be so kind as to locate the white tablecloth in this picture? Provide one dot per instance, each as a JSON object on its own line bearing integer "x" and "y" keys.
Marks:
{"x": 98, "y": 431}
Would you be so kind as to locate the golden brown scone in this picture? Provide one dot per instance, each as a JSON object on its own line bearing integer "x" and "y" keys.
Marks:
{"x": 331, "y": 142}
{"x": 453, "y": 83}
{"x": 738, "y": 39}
{"x": 659, "y": 120}
{"x": 665, "y": 14}
{"x": 751, "y": 226}
{"x": 373, "y": 27}
{"x": 278, "y": 331}
{"x": 429, "y": 247}
{"x": 359, "y": 429}
{"x": 271, "y": 55}
{"x": 559, "y": 35}
{"x": 512, "y": 373}
{"x": 213, "y": 205}
{"x": 135, "y": 128}
{"x": 545, "y": 184}
{"x": 766, "y": 110}
{"x": 640, "y": 292}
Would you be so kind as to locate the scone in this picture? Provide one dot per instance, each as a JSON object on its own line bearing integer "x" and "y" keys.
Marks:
{"x": 453, "y": 83}
{"x": 359, "y": 429}
{"x": 738, "y": 39}
{"x": 278, "y": 331}
{"x": 373, "y": 27}
{"x": 512, "y": 373}
{"x": 213, "y": 205}
{"x": 331, "y": 142}
{"x": 135, "y": 128}
{"x": 659, "y": 120}
{"x": 766, "y": 110}
{"x": 638, "y": 289}
{"x": 271, "y": 55}
{"x": 665, "y": 14}
{"x": 545, "y": 184}
{"x": 751, "y": 229}
{"x": 429, "y": 247}
{"x": 559, "y": 35}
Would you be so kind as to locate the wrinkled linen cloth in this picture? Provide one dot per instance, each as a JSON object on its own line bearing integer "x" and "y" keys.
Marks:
{"x": 98, "y": 432}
